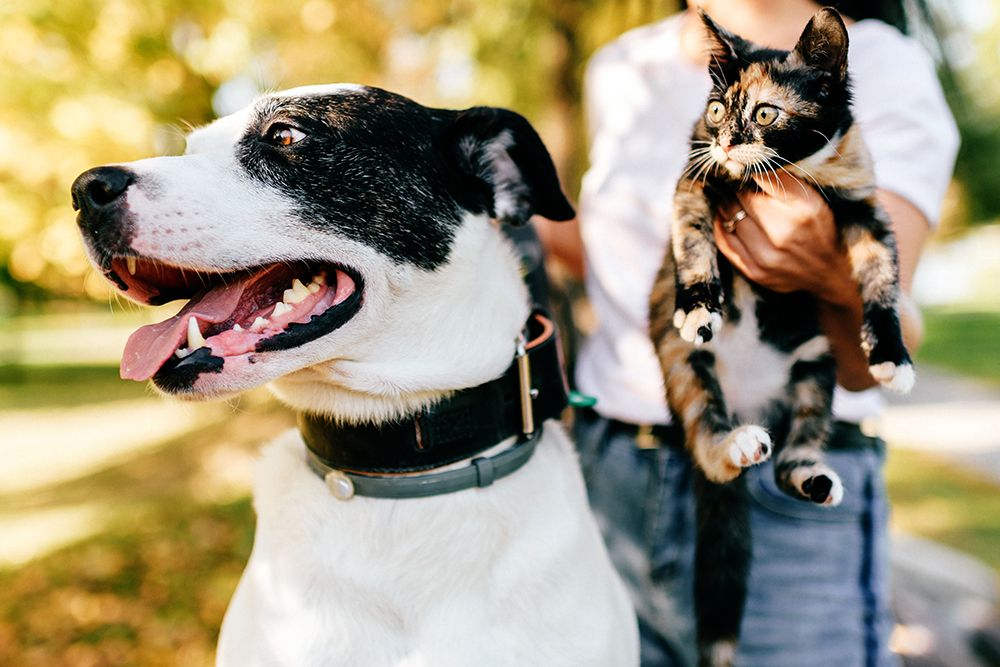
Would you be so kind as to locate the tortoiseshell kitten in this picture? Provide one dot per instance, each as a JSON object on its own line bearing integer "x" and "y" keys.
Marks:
{"x": 737, "y": 356}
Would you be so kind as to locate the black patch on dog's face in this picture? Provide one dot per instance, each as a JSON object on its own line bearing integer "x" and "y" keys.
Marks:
{"x": 367, "y": 169}
{"x": 385, "y": 171}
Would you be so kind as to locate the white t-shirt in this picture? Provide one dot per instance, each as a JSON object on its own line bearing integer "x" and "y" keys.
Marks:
{"x": 642, "y": 98}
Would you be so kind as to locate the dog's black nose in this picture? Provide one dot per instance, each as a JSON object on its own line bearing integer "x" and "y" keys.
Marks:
{"x": 98, "y": 189}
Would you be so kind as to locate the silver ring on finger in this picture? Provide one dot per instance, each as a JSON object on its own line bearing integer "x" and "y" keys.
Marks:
{"x": 730, "y": 225}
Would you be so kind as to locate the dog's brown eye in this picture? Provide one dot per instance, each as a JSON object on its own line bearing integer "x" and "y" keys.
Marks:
{"x": 284, "y": 135}
{"x": 765, "y": 115}
{"x": 716, "y": 110}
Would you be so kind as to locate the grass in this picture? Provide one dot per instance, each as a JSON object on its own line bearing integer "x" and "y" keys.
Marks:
{"x": 150, "y": 587}
{"x": 939, "y": 501}
{"x": 151, "y": 592}
{"x": 963, "y": 340}
{"x": 23, "y": 386}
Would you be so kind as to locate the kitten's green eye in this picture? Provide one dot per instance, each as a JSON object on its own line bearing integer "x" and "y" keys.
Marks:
{"x": 716, "y": 110}
{"x": 765, "y": 115}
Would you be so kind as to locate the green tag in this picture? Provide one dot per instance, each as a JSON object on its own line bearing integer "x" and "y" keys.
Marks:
{"x": 578, "y": 400}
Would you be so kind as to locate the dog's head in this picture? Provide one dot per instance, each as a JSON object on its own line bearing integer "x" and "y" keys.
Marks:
{"x": 333, "y": 234}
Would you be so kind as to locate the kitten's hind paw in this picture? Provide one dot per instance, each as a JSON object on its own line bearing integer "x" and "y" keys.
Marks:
{"x": 818, "y": 483}
{"x": 699, "y": 325}
{"x": 897, "y": 378}
{"x": 724, "y": 460}
{"x": 748, "y": 445}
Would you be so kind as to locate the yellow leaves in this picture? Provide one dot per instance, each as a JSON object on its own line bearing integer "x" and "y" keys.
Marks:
{"x": 318, "y": 15}
{"x": 87, "y": 117}
{"x": 19, "y": 40}
{"x": 224, "y": 53}
{"x": 25, "y": 262}
{"x": 165, "y": 76}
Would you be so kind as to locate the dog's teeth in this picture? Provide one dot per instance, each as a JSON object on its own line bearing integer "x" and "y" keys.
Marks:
{"x": 281, "y": 309}
{"x": 237, "y": 327}
{"x": 319, "y": 279}
{"x": 313, "y": 287}
{"x": 130, "y": 263}
{"x": 297, "y": 293}
{"x": 258, "y": 324}
{"x": 195, "y": 339}
{"x": 182, "y": 352}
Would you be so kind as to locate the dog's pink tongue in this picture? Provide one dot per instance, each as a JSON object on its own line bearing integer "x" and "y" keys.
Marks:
{"x": 149, "y": 347}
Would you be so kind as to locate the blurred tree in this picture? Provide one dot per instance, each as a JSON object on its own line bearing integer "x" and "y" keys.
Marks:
{"x": 99, "y": 81}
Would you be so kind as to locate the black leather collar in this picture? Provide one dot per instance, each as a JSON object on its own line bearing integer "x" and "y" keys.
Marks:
{"x": 460, "y": 427}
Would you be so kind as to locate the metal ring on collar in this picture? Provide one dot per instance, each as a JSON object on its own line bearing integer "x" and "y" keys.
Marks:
{"x": 481, "y": 472}
{"x": 730, "y": 225}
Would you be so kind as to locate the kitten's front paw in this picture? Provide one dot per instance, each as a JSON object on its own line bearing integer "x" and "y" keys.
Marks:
{"x": 698, "y": 325}
{"x": 898, "y": 378}
{"x": 818, "y": 483}
{"x": 741, "y": 448}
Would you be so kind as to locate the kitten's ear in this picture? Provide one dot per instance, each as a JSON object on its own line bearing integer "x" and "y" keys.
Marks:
{"x": 502, "y": 165}
{"x": 722, "y": 44}
{"x": 823, "y": 43}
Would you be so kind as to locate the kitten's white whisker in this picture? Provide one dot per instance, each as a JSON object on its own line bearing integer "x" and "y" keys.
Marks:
{"x": 803, "y": 172}
{"x": 829, "y": 142}
{"x": 695, "y": 165}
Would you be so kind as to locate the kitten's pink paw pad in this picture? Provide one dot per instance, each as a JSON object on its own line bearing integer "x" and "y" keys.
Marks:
{"x": 697, "y": 326}
{"x": 895, "y": 378}
{"x": 749, "y": 445}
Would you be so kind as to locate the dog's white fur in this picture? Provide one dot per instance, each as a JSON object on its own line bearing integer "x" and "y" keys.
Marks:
{"x": 514, "y": 574}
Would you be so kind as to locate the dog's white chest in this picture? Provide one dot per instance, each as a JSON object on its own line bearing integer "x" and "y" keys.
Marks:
{"x": 751, "y": 373}
{"x": 513, "y": 574}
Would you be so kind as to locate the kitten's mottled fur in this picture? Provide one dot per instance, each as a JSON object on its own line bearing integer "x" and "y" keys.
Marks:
{"x": 735, "y": 354}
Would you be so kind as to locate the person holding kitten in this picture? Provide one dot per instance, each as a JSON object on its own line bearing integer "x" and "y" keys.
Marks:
{"x": 817, "y": 587}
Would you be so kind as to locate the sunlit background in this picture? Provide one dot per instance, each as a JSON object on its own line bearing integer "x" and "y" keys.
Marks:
{"x": 125, "y": 519}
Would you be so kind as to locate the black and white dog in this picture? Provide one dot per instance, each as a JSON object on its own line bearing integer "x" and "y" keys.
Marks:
{"x": 338, "y": 242}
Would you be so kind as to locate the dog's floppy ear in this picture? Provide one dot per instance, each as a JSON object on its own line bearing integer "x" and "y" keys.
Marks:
{"x": 502, "y": 165}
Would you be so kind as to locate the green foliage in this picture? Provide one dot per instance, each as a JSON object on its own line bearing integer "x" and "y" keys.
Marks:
{"x": 964, "y": 341}
{"x": 938, "y": 501}
{"x": 101, "y": 81}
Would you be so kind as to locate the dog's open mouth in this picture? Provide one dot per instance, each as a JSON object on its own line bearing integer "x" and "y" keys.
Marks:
{"x": 262, "y": 309}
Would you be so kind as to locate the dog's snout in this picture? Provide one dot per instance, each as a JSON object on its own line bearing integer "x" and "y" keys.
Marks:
{"x": 98, "y": 189}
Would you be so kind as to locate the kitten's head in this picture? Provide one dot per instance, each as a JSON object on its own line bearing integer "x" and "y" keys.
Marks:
{"x": 768, "y": 107}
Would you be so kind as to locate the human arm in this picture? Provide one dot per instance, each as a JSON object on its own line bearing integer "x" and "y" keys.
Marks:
{"x": 563, "y": 243}
{"x": 789, "y": 242}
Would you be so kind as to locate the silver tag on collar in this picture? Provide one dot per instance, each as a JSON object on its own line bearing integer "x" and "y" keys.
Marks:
{"x": 340, "y": 485}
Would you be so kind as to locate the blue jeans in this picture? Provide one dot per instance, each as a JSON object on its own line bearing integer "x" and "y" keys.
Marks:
{"x": 818, "y": 589}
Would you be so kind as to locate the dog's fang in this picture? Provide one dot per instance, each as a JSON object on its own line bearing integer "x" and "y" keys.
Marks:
{"x": 301, "y": 290}
{"x": 195, "y": 339}
{"x": 258, "y": 324}
{"x": 297, "y": 293}
{"x": 130, "y": 264}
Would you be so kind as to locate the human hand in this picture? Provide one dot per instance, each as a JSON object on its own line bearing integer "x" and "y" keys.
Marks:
{"x": 788, "y": 240}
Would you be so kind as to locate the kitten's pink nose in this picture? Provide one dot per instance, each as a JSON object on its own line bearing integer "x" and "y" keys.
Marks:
{"x": 725, "y": 145}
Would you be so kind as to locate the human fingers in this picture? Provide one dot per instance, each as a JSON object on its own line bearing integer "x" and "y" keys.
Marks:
{"x": 753, "y": 235}
{"x": 737, "y": 253}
